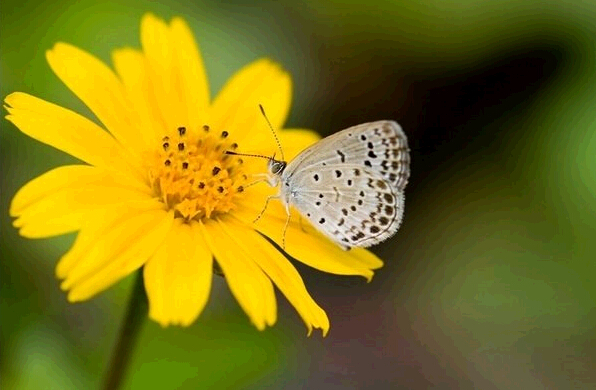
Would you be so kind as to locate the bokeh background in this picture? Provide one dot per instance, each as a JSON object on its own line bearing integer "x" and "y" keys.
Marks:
{"x": 489, "y": 284}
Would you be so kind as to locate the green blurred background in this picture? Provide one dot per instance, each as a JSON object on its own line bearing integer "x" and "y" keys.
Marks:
{"x": 489, "y": 283}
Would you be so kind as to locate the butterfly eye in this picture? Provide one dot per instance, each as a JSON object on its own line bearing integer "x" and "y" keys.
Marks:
{"x": 277, "y": 167}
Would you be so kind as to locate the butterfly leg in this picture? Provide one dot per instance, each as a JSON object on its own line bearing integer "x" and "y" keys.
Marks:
{"x": 260, "y": 178}
{"x": 283, "y": 239}
{"x": 265, "y": 207}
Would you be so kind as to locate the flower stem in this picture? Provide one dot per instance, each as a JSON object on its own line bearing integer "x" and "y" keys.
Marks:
{"x": 129, "y": 333}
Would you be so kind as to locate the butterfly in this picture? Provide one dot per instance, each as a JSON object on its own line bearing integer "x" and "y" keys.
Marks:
{"x": 350, "y": 185}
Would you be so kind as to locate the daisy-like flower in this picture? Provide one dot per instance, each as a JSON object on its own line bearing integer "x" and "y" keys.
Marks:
{"x": 157, "y": 191}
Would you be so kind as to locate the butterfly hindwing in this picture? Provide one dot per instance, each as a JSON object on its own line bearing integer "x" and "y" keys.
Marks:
{"x": 351, "y": 205}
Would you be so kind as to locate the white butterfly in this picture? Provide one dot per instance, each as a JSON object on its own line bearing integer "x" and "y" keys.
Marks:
{"x": 350, "y": 185}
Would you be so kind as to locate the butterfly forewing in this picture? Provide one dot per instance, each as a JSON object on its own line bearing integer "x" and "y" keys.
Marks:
{"x": 381, "y": 147}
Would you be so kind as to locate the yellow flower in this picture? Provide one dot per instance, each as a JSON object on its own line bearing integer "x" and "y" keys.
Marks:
{"x": 157, "y": 191}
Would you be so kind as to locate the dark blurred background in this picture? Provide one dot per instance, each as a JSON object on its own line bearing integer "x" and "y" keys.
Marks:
{"x": 489, "y": 283}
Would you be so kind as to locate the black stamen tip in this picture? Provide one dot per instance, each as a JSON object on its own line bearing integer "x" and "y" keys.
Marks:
{"x": 240, "y": 189}
{"x": 166, "y": 145}
{"x": 201, "y": 185}
{"x": 167, "y": 163}
{"x": 224, "y": 134}
{"x": 216, "y": 170}
{"x": 181, "y": 146}
{"x": 205, "y": 127}
{"x": 182, "y": 130}
{"x": 220, "y": 189}
{"x": 184, "y": 165}
{"x": 234, "y": 146}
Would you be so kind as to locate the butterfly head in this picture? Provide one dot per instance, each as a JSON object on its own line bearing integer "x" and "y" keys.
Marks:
{"x": 276, "y": 167}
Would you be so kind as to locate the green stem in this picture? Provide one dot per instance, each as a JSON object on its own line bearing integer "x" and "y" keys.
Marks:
{"x": 136, "y": 313}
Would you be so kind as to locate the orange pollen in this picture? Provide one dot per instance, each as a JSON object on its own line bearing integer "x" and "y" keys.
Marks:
{"x": 192, "y": 175}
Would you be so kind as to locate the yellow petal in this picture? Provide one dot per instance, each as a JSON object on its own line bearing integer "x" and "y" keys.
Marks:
{"x": 99, "y": 88}
{"x": 281, "y": 272}
{"x": 66, "y": 210}
{"x": 114, "y": 241}
{"x": 98, "y": 223}
{"x": 132, "y": 67}
{"x": 65, "y": 130}
{"x": 236, "y": 107}
{"x": 178, "y": 276}
{"x": 71, "y": 176}
{"x": 169, "y": 77}
{"x": 51, "y": 226}
{"x": 303, "y": 242}
{"x": 294, "y": 141}
{"x": 190, "y": 74}
{"x": 249, "y": 285}
{"x": 158, "y": 50}
{"x": 116, "y": 254}
{"x": 59, "y": 201}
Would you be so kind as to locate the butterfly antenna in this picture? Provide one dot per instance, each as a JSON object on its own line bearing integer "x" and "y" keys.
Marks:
{"x": 247, "y": 155}
{"x": 273, "y": 131}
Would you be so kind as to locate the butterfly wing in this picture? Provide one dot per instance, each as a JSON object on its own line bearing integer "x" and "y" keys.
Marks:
{"x": 350, "y": 185}
{"x": 380, "y": 147}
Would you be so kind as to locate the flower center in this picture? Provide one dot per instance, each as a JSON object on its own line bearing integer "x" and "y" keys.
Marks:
{"x": 192, "y": 175}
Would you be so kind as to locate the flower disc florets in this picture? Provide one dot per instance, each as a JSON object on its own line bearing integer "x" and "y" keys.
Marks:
{"x": 192, "y": 175}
